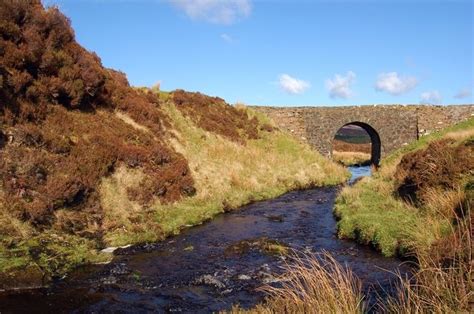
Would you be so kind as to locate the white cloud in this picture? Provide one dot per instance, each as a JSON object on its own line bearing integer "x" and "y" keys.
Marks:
{"x": 394, "y": 84}
{"x": 227, "y": 38}
{"x": 215, "y": 11}
{"x": 431, "y": 97}
{"x": 463, "y": 93}
{"x": 293, "y": 85}
{"x": 340, "y": 86}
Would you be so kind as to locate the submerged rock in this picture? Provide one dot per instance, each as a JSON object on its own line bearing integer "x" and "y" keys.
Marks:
{"x": 120, "y": 269}
{"x": 111, "y": 280}
{"x": 275, "y": 218}
{"x": 263, "y": 244}
{"x": 112, "y": 249}
{"x": 244, "y": 277}
{"x": 210, "y": 280}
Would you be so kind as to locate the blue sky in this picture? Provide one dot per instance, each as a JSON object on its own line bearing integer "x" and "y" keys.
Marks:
{"x": 287, "y": 52}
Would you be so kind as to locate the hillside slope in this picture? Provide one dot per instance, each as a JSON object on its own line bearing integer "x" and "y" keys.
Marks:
{"x": 88, "y": 161}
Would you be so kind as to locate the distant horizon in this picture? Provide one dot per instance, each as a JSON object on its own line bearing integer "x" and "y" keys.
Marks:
{"x": 287, "y": 53}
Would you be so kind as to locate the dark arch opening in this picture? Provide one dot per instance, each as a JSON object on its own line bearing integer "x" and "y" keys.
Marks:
{"x": 371, "y": 133}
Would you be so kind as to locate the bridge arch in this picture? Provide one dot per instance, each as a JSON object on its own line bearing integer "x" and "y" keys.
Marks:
{"x": 376, "y": 147}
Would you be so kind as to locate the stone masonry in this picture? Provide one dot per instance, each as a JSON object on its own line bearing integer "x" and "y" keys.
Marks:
{"x": 391, "y": 125}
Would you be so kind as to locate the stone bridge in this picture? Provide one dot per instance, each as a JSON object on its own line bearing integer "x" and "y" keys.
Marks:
{"x": 389, "y": 126}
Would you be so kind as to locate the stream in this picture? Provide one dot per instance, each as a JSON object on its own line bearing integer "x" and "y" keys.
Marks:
{"x": 210, "y": 267}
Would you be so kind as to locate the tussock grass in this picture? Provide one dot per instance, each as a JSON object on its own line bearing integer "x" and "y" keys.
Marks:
{"x": 443, "y": 284}
{"x": 351, "y": 158}
{"x": 314, "y": 283}
{"x": 460, "y": 135}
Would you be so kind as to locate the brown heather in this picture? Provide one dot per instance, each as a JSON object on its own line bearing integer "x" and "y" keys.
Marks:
{"x": 214, "y": 115}
{"x": 57, "y": 115}
{"x": 440, "y": 167}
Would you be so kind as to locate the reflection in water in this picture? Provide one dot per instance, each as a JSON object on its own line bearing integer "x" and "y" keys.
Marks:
{"x": 359, "y": 172}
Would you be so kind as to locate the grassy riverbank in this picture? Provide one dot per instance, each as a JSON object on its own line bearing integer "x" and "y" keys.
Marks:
{"x": 372, "y": 211}
{"x": 227, "y": 174}
{"x": 417, "y": 205}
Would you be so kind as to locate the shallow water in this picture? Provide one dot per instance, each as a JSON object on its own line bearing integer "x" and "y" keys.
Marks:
{"x": 359, "y": 172}
{"x": 210, "y": 267}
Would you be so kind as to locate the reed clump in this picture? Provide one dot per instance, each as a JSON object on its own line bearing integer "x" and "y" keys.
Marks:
{"x": 443, "y": 282}
{"x": 313, "y": 283}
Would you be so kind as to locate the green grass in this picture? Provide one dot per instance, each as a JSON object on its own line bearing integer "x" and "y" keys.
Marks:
{"x": 364, "y": 217}
{"x": 370, "y": 213}
{"x": 50, "y": 254}
{"x": 385, "y": 222}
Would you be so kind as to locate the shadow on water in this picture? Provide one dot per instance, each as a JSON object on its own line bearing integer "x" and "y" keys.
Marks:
{"x": 210, "y": 267}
